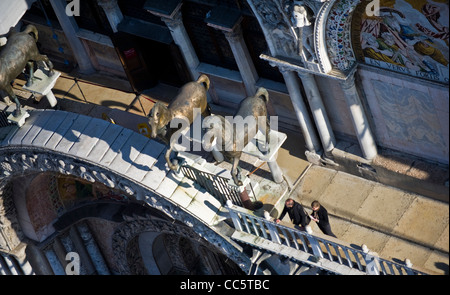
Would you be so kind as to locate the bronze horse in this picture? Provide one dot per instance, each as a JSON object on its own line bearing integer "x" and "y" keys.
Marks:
{"x": 20, "y": 51}
{"x": 192, "y": 95}
{"x": 232, "y": 140}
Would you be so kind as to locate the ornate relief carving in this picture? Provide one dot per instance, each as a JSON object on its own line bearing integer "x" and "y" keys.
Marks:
{"x": 338, "y": 34}
{"x": 291, "y": 31}
{"x": 277, "y": 25}
{"x": 10, "y": 233}
{"x": 130, "y": 230}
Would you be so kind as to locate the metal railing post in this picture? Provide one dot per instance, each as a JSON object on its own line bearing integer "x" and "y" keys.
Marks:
{"x": 315, "y": 246}
{"x": 272, "y": 230}
{"x": 364, "y": 260}
{"x": 372, "y": 263}
{"x": 234, "y": 216}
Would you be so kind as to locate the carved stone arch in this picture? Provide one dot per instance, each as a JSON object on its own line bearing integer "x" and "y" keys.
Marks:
{"x": 331, "y": 33}
{"x": 20, "y": 161}
{"x": 333, "y": 36}
{"x": 129, "y": 231}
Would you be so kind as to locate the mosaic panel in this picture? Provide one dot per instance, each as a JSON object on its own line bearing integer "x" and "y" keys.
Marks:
{"x": 408, "y": 36}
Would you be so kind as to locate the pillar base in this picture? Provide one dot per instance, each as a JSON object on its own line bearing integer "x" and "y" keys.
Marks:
{"x": 43, "y": 84}
{"x": 19, "y": 119}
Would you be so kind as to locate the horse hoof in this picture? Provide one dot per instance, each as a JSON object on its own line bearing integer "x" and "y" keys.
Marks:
{"x": 238, "y": 182}
{"x": 174, "y": 165}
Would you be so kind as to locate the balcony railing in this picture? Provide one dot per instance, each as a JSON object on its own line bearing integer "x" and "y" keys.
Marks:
{"x": 334, "y": 256}
{"x": 216, "y": 185}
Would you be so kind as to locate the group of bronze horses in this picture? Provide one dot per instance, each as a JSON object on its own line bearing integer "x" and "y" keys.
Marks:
{"x": 232, "y": 140}
{"x": 21, "y": 52}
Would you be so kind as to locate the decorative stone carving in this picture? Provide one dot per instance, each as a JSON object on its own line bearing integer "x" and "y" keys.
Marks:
{"x": 338, "y": 34}
{"x": 305, "y": 32}
{"x": 312, "y": 35}
{"x": 130, "y": 230}
{"x": 10, "y": 233}
{"x": 276, "y": 25}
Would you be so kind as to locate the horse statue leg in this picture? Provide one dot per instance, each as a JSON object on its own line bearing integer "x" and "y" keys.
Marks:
{"x": 173, "y": 166}
{"x": 12, "y": 95}
{"x": 207, "y": 111}
{"x": 44, "y": 58}
{"x": 265, "y": 129}
{"x": 235, "y": 170}
{"x": 267, "y": 133}
{"x": 30, "y": 65}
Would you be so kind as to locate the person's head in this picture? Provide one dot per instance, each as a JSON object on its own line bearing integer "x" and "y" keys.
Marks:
{"x": 289, "y": 203}
{"x": 315, "y": 205}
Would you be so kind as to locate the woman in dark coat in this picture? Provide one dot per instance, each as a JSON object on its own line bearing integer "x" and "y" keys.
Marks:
{"x": 320, "y": 216}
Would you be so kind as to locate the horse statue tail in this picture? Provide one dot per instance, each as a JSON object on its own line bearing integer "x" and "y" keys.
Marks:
{"x": 204, "y": 80}
{"x": 262, "y": 92}
{"x": 32, "y": 29}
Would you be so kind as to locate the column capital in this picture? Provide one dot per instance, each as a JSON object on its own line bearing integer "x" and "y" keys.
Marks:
{"x": 235, "y": 35}
{"x": 349, "y": 82}
{"x": 167, "y": 9}
{"x": 225, "y": 19}
{"x": 112, "y": 12}
{"x": 282, "y": 69}
{"x": 176, "y": 20}
{"x": 107, "y": 4}
{"x": 304, "y": 75}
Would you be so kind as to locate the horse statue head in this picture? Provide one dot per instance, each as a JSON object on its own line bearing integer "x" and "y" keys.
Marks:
{"x": 158, "y": 120}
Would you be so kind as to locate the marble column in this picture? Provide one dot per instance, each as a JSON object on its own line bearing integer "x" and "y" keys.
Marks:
{"x": 112, "y": 12}
{"x": 70, "y": 29}
{"x": 319, "y": 113}
{"x": 275, "y": 170}
{"x": 243, "y": 59}
{"x": 181, "y": 38}
{"x": 306, "y": 125}
{"x": 359, "y": 119}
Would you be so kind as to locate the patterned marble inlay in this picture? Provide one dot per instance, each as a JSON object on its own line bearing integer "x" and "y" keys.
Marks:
{"x": 338, "y": 39}
{"x": 401, "y": 107}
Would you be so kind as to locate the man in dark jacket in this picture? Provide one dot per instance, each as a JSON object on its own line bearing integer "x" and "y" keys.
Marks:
{"x": 296, "y": 213}
{"x": 320, "y": 216}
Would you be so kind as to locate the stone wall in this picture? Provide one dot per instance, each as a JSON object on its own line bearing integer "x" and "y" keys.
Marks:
{"x": 410, "y": 115}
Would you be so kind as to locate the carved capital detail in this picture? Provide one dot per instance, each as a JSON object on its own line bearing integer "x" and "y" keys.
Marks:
{"x": 174, "y": 22}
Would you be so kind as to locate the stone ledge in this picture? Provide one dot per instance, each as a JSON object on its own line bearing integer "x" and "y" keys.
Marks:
{"x": 398, "y": 170}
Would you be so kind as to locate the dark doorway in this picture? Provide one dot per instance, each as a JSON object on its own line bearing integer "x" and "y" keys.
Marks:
{"x": 148, "y": 62}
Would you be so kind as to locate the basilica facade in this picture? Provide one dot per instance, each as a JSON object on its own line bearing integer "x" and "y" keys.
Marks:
{"x": 373, "y": 74}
